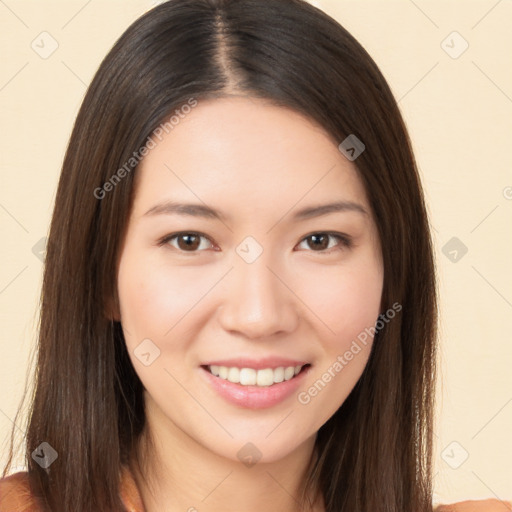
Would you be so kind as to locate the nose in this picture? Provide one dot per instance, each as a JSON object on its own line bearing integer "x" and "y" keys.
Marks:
{"x": 257, "y": 301}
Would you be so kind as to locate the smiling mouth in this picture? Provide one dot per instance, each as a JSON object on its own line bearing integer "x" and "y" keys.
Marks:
{"x": 251, "y": 377}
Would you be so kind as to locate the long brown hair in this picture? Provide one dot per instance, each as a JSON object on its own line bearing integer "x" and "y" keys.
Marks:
{"x": 375, "y": 452}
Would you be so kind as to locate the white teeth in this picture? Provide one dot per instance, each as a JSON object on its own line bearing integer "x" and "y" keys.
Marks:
{"x": 265, "y": 377}
{"x": 252, "y": 377}
{"x": 289, "y": 372}
{"x": 234, "y": 375}
{"x": 279, "y": 374}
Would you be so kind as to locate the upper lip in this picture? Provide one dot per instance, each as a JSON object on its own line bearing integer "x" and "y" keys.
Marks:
{"x": 257, "y": 364}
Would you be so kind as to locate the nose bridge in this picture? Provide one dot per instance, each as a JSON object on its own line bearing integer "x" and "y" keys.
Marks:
{"x": 256, "y": 302}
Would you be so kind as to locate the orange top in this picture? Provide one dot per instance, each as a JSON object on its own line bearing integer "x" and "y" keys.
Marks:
{"x": 15, "y": 496}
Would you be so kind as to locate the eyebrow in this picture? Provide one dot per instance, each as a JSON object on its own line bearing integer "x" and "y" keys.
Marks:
{"x": 201, "y": 210}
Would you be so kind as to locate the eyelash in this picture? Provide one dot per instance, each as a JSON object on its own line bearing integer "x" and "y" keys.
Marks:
{"x": 346, "y": 240}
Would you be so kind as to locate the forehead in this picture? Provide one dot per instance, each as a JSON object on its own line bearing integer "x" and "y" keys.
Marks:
{"x": 248, "y": 154}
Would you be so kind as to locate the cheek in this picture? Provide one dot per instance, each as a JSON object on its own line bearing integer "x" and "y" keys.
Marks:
{"x": 154, "y": 299}
{"x": 347, "y": 300}
{"x": 349, "y": 305}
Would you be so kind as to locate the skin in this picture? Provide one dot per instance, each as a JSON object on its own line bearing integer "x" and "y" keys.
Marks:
{"x": 259, "y": 164}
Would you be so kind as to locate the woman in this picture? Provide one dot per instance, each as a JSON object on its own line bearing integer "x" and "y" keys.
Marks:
{"x": 239, "y": 307}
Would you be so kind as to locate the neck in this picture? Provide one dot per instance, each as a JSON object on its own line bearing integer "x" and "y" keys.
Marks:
{"x": 178, "y": 474}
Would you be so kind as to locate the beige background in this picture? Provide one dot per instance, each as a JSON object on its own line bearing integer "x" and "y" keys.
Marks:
{"x": 459, "y": 113}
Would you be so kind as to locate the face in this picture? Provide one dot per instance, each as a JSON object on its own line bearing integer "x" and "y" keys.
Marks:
{"x": 254, "y": 280}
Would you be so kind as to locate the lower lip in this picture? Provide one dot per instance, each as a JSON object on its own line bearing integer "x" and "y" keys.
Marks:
{"x": 254, "y": 397}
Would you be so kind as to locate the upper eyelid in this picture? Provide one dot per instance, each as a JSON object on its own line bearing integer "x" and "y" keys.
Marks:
{"x": 171, "y": 236}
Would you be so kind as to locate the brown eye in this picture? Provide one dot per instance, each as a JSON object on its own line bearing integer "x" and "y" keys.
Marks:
{"x": 186, "y": 242}
{"x": 190, "y": 242}
{"x": 320, "y": 242}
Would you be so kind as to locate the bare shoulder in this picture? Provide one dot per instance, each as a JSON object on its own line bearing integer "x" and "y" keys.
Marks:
{"x": 15, "y": 494}
{"x": 477, "y": 506}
